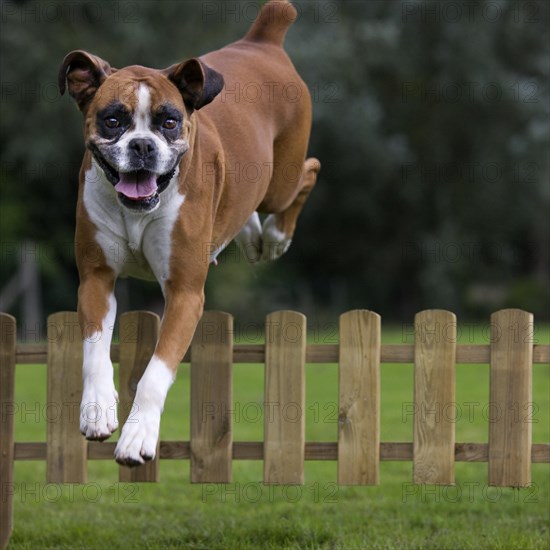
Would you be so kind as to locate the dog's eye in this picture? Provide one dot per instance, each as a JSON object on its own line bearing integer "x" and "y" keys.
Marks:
{"x": 169, "y": 124}
{"x": 112, "y": 122}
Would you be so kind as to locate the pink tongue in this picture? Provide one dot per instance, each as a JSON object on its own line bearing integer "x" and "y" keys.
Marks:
{"x": 137, "y": 185}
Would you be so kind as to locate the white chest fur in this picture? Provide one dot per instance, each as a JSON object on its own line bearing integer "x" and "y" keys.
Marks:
{"x": 134, "y": 244}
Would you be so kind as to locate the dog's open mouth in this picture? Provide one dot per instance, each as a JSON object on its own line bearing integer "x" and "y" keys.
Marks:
{"x": 137, "y": 190}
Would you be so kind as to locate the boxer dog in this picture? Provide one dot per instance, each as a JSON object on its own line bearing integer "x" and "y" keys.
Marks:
{"x": 163, "y": 190}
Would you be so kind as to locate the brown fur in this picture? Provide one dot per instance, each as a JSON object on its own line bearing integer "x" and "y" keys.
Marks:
{"x": 270, "y": 134}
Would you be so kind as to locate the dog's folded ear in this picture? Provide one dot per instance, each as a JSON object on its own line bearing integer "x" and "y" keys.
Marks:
{"x": 82, "y": 73}
{"x": 197, "y": 83}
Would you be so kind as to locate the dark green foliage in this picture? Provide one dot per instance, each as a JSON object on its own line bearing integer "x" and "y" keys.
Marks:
{"x": 431, "y": 122}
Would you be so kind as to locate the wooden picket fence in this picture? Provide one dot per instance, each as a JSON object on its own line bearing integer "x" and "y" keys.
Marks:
{"x": 510, "y": 353}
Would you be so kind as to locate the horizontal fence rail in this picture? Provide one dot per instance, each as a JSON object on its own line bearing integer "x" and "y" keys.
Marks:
{"x": 466, "y": 354}
{"x": 358, "y": 450}
{"x": 254, "y": 450}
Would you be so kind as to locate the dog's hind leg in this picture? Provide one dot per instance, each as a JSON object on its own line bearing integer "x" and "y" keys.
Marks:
{"x": 278, "y": 229}
{"x": 249, "y": 239}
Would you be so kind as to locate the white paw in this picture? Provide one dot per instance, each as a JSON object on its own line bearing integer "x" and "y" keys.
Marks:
{"x": 274, "y": 242}
{"x": 139, "y": 437}
{"x": 249, "y": 239}
{"x": 98, "y": 409}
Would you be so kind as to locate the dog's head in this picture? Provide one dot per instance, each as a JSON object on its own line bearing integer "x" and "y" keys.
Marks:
{"x": 137, "y": 120}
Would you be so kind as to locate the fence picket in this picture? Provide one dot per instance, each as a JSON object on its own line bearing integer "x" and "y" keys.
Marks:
{"x": 7, "y": 417}
{"x": 212, "y": 399}
{"x": 67, "y": 448}
{"x": 284, "y": 405}
{"x": 434, "y": 393}
{"x": 510, "y": 389}
{"x": 359, "y": 399}
{"x": 139, "y": 332}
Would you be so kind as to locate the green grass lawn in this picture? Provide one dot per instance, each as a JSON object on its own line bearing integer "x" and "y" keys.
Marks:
{"x": 248, "y": 515}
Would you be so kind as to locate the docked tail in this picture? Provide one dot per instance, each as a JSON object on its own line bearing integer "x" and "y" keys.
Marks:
{"x": 273, "y": 22}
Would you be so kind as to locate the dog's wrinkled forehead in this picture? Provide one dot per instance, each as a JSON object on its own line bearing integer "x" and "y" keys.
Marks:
{"x": 137, "y": 89}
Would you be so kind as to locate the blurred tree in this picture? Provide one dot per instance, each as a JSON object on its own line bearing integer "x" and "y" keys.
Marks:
{"x": 430, "y": 119}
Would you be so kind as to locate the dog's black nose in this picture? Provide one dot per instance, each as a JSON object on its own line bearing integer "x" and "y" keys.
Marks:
{"x": 142, "y": 147}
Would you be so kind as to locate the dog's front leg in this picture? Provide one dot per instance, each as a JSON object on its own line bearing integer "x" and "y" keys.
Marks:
{"x": 138, "y": 440}
{"x": 96, "y": 314}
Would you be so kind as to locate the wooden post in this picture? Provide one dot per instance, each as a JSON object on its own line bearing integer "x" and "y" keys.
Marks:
{"x": 359, "y": 399}
{"x": 284, "y": 406}
{"x": 212, "y": 399}
{"x": 139, "y": 332}
{"x": 67, "y": 447}
{"x": 434, "y": 397}
{"x": 511, "y": 400}
{"x": 7, "y": 413}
